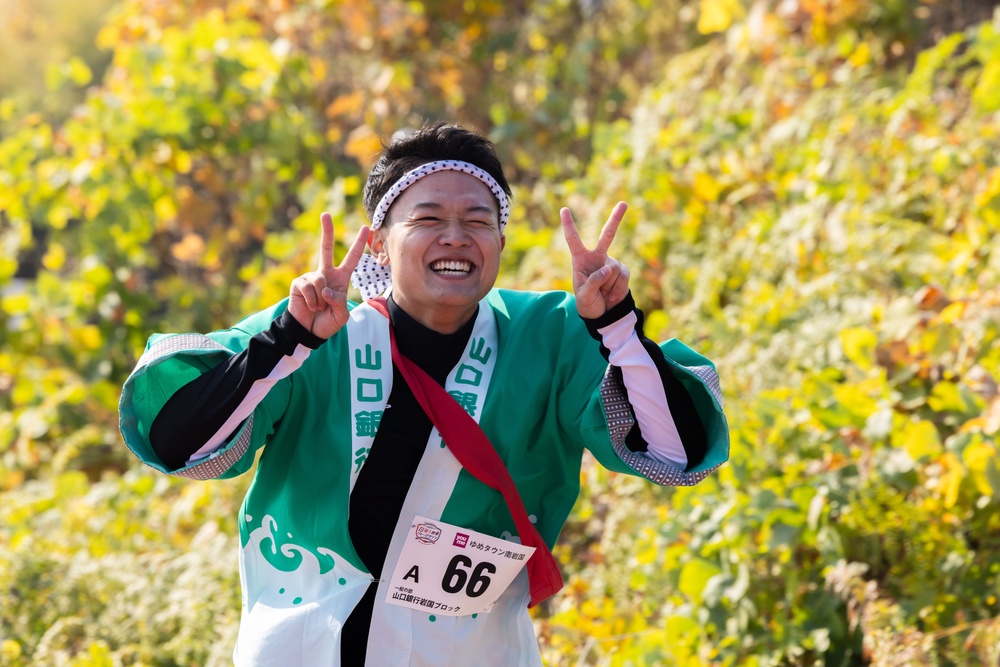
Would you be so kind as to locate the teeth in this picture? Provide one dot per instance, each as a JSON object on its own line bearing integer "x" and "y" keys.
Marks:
{"x": 451, "y": 265}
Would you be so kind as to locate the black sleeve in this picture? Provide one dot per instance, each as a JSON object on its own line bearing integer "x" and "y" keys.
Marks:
{"x": 199, "y": 409}
{"x": 682, "y": 408}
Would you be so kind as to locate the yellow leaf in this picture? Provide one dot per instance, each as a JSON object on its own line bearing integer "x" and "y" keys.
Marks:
{"x": 947, "y": 397}
{"x": 953, "y": 312}
{"x": 165, "y": 208}
{"x": 16, "y": 304}
{"x": 10, "y": 650}
{"x": 986, "y": 96}
{"x": 363, "y": 144}
{"x": 58, "y": 217}
{"x": 8, "y": 267}
{"x": 77, "y": 71}
{"x": 921, "y": 439}
{"x": 319, "y": 69}
{"x": 11, "y": 480}
{"x": 859, "y": 346}
{"x": 182, "y": 161}
{"x": 856, "y": 399}
{"x": 352, "y": 185}
{"x": 98, "y": 655}
{"x": 952, "y": 480}
{"x": 657, "y": 324}
{"x": 941, "y": 162}
{"x": 992, "y": 190}
{"x": 706, "y": 188}
{"x": 977, "y": 456}
{"x": 537, "y": 41}
{"x": 89, "y": 337}
{"x": 55, "y": 257}
{"x": 349, "y": 104}
{"x": 862, "y": 55}
{"x": 71, "y": 485}
{"x": 680, "y": 632}
{"x": 718, "y": 15}
{"x": 694, "y": 576}
{"x": 646, "y": 555}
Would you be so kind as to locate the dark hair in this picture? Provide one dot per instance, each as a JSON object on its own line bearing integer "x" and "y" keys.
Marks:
{"x": 431, "y": 143}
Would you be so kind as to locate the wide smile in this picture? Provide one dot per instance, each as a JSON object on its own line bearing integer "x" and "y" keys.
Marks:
{"x": 452, "y": 267}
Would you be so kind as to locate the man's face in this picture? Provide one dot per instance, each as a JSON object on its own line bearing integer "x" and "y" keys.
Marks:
{"x": 442, "y": 239}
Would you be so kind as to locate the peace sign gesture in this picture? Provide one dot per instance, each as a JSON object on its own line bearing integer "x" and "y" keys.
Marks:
{"x": 599, "y": 281}
{"x": 318, "y": 299}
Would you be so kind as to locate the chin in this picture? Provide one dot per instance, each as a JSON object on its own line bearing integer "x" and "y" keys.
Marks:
{"x": 458, "y": 301}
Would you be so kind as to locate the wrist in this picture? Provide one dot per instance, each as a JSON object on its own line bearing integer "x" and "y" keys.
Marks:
{"x": 612, "y": 314}
{"x": 297, "y": 332}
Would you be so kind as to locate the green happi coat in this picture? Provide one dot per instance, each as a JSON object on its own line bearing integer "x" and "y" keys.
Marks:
{"x": 531, "y": 376}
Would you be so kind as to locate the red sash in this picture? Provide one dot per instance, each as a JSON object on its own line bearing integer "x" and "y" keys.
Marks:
{"x": 476, "y": 453}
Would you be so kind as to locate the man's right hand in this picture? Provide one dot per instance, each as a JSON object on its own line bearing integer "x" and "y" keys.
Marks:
{"x": 318, "y": 299}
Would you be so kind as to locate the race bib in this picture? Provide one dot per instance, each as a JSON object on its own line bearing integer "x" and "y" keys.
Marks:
{"x": 453, "y": 571}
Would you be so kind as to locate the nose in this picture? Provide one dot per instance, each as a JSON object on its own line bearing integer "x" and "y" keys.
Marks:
{"x": 454, "y": 234}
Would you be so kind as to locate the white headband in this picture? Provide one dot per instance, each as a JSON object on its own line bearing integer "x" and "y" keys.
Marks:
{"x": 373, "y": 279}
{"x": 414, "y": 175}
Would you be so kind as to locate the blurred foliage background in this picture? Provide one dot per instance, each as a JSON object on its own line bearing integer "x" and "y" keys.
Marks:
{"x": 815, "y": 193}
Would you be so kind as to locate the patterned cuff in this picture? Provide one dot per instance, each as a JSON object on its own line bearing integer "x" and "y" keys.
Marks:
{"x": 217, "y": 463}
{"x": 620, "y": 422}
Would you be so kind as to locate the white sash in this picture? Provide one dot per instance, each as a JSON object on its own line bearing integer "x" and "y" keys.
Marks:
{"x": 415, "y": 632}
{"x": 370, "y": 357}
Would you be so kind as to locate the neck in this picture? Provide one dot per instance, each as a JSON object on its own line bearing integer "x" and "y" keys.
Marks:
{"x": 441, "y": 320}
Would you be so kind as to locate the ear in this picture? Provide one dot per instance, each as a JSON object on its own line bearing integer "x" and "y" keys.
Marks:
{"x": 376, "y": 241}
{"x": 503, "y": 241}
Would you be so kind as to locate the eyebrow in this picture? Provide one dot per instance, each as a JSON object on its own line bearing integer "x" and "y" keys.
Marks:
{"x": 471, "y": 209}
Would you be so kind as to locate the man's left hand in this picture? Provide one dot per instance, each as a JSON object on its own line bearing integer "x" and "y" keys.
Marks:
{"x": 599, "y": 281}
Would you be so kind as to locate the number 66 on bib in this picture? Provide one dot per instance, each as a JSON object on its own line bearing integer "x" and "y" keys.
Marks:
{"x": 452, "y": 571}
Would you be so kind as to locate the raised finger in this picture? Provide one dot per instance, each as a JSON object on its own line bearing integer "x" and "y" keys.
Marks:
{"x": 611, "y": 227}
{"x": 353, "y": 256}
{"x": 325, "y": 242}
{"x": 570, "y": 231}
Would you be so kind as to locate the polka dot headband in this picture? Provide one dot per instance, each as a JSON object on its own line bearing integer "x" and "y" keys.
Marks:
{"x": 414, "y": 175}
{"x": 373, "y": 279}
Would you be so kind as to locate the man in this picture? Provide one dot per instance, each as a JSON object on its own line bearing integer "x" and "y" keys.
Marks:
{"x": 374, "y": 531}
